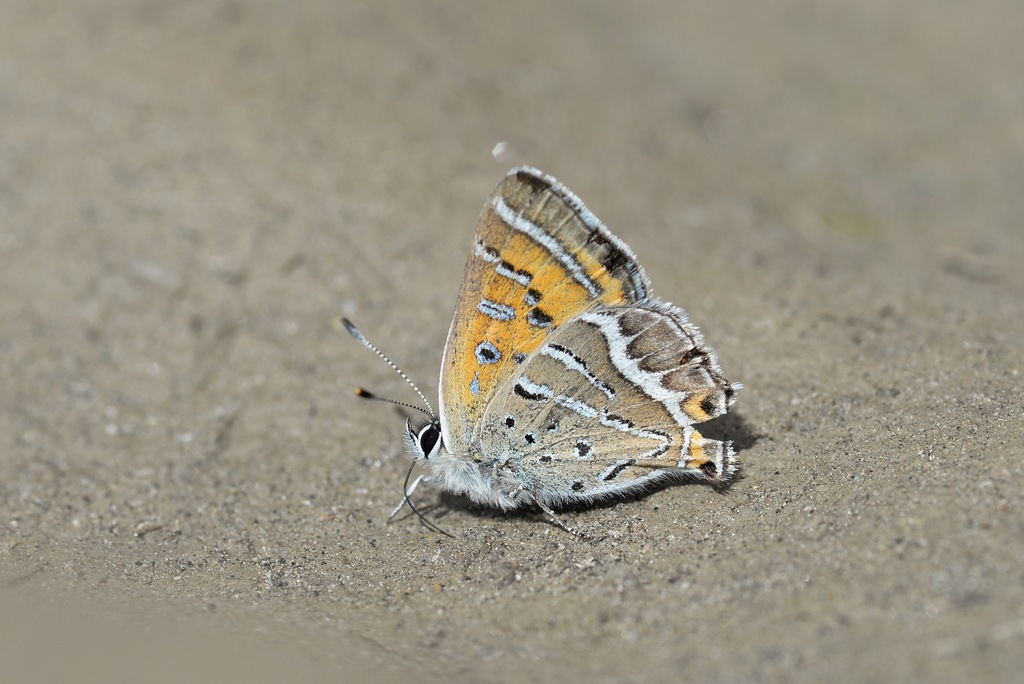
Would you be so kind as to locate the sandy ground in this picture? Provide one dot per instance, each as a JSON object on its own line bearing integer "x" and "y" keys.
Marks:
{"x": 192, "y": 193}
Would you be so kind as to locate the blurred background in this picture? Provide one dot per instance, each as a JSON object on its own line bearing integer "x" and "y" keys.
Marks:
{"x": 192, "y": 193}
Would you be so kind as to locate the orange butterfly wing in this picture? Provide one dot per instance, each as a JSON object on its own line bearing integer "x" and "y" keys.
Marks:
{"x": 539, "y": 258}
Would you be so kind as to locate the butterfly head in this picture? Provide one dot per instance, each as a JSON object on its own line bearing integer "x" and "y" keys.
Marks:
{"x": 424, "y": 441}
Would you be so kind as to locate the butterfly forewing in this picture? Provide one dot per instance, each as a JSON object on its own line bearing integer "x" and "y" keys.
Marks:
{"x": 539, "y": 258}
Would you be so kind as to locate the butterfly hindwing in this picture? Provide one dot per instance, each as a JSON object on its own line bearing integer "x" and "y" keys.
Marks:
{"x": 606, "y": 406}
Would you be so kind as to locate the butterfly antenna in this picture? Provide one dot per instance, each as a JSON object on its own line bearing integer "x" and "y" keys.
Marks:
{"x": 364, "y": 393}
{"x": 354, "y": 332}
{"x": 406, "y": 500}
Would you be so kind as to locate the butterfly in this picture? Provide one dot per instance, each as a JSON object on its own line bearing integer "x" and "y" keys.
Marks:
{"x": 564, "y": 382}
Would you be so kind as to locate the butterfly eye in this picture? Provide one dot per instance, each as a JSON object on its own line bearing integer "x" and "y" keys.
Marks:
{"x": 429, "y": 440}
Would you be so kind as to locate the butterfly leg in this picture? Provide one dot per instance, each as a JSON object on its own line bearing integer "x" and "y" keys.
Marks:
{"x": 408, "y": 493}
{"x": 561, "y": 523}
{"x": 406, "y": 500}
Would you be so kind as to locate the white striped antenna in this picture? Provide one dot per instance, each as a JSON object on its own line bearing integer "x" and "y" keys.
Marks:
{"x": 364, "y": 394}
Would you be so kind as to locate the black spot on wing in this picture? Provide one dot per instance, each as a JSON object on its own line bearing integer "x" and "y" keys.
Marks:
{"x": 539, "y": 318}
{"x": 537, "y": 185}
{"x": 527, "y": 394}
{"x": 487, "y": 353}
{"x": 615, "y": 470}
{"x": 708, "y": 406}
